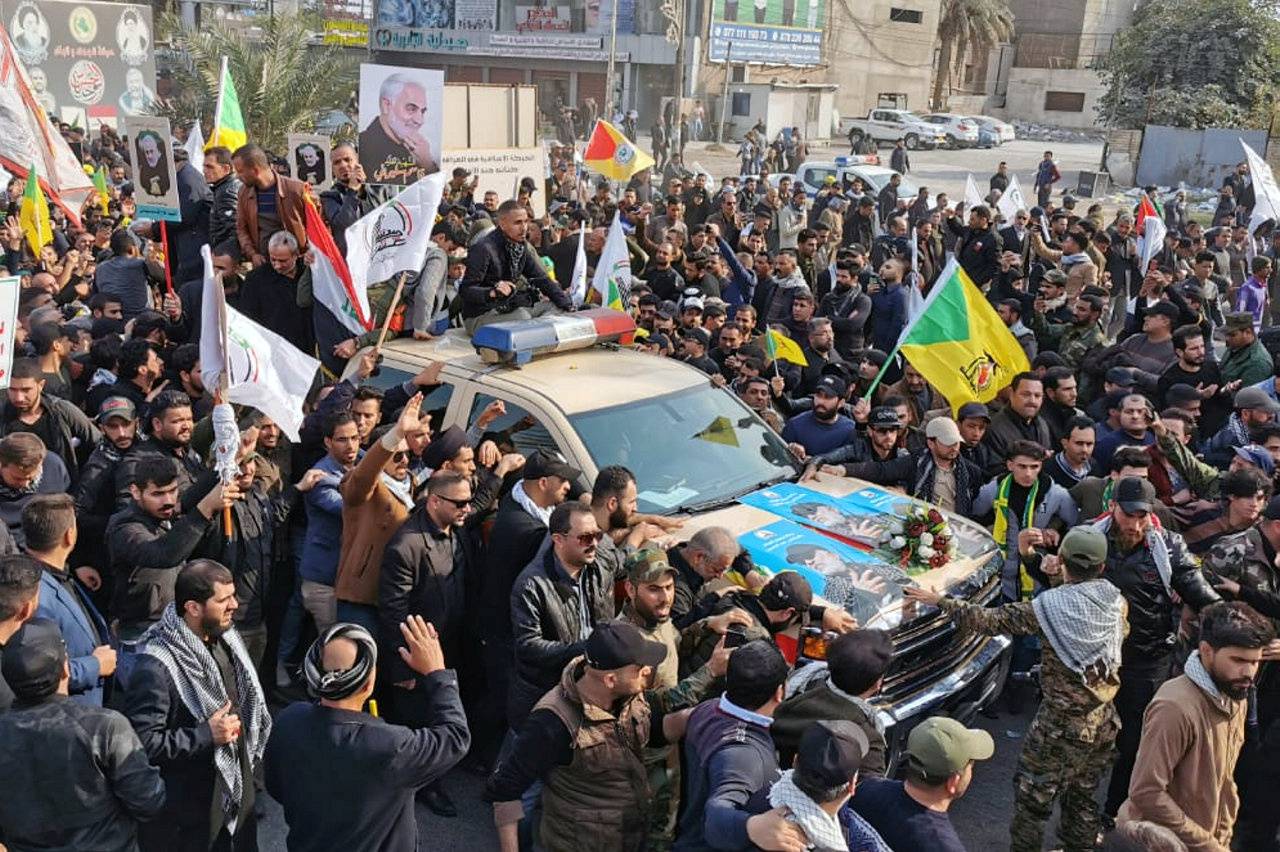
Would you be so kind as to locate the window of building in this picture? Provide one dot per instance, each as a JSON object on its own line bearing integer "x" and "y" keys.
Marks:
{"x": 741, "y": 103}
{"x": 1064, "y": 101}
{"x": 906, "y": 16}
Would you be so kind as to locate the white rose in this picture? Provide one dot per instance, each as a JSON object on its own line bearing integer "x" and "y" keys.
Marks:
{"x": 926, "y": 538}
{"x": 897, "y": 542}
{"x": 926, "y": 552}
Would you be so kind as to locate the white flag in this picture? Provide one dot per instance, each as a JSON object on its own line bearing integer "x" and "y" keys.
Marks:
{"x": 578, "y": 285}
{"x": 394, "y": 236}
{"x": 613, "y": 270}
{"x": 195, "y": 145}
{"x": 972, "y": 198}
{"x": 1011, "y": 201}
{"x": 1150, "y": 243}
{"x": 252, "y": 365}
{"x": 1266, "y": 195}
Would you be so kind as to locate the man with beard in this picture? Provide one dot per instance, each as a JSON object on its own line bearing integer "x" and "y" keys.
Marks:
{"x": 504, "y": 278}
{"x": 1193, "y": 731}
{"x": 1253, "y": 409}
{"x": 270, "y": 293}
{"x": 172, "y": 424}
{"x": 349, "y": 198}
{"x": 268, "y": 202}
{"x": 1193, "y": 367}
{"x": 199, "y": 709}
{"x": 63, "y": 428}
{"x": 95, "y": 493}
{"x": 847, "y": 306}
{"x": 1059, "y": 408}
{"x": 1020, "y": 420}
{"x": 138, "y": 369}
{"x": 822, "y": 429}
{"x": 938, "y": 474}
{"x": 819, "y": 352}
{"x": 884, "y": 428}
{"x": 1075, "y": 340}
{"x": 651, "y": 591}
{"x": 662, "y": 278}
{"x": 755, "y": 391}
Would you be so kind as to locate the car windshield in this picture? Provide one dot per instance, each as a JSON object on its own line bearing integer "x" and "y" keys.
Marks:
{"x": 697, "y": 447}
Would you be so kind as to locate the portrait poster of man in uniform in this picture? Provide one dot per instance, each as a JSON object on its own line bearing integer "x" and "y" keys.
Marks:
{"x": 309, "y": 159}
{"x": 155, "y": 177}
{"x": 400, "y": 123}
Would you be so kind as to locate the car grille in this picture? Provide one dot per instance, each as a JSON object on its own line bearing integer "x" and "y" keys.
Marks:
{"x": 928, "y": 648}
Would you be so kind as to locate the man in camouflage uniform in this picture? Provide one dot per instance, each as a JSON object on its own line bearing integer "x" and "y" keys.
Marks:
{"x": 1071, "y": 743}
{"x": 1076, "y": 339}
{"x": 1243, "y": 567}
{"x": 651, "y": 590}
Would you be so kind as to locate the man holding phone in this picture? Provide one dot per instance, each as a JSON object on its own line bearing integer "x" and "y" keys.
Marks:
{"x": 1136, "y": 416}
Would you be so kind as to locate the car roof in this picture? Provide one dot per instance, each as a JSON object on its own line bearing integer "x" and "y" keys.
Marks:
{"x": 576, "y": 381}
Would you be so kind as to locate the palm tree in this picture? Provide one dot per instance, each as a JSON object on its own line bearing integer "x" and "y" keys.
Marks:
{"x": 283, "y": 82}
{"x": 964, "y": 25}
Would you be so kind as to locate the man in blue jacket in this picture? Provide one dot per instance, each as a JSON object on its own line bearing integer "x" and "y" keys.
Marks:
{"x": 320, "y": 548}
{"x": 49, "y": 523}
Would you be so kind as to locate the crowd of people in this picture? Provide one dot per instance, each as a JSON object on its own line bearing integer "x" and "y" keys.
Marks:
{"x": 597, "y": 666}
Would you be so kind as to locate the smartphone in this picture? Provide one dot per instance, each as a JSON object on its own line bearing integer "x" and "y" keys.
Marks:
{"x": 735, "y": 636}
{"x": 814, "y": 643}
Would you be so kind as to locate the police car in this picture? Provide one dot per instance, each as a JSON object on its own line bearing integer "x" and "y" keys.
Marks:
{"x": 572, "y": 384}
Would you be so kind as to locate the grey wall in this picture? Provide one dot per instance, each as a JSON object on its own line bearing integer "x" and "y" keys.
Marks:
{"x": 1171, "y": 155}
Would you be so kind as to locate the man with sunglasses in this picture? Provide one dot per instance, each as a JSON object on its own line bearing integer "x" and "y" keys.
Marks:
{"x": 425, "y": 569}
{"x": 556, "y": 602}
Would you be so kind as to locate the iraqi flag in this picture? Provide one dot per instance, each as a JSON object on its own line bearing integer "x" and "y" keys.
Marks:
{"x": 614, "y": 155}
{"x": 331, "y": 280}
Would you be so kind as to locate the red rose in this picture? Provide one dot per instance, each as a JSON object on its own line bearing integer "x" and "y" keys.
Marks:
{"x": 935, "y": 516}
{"x": 914, "y": 529}
{"x": 940, "y": 542}
{"x": 938, "y": 560}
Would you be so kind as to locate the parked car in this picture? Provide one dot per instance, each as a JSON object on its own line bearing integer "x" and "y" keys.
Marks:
{"x": 890, "y": 125}
{"x": 814, "y": 173}
{"x": 1004, "y": 130}
{"x": 959, "y": 131}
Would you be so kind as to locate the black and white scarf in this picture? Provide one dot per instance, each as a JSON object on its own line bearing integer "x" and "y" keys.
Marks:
{"x": 199, "y": 683}
{"x": 515, "y": 254}
{"x": 1084, "y": 623}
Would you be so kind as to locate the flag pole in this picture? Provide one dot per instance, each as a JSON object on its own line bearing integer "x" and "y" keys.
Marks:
{"x": 219, "y": 392}
{"x": 391, "y": 311}
{"x": 164, "y": 242}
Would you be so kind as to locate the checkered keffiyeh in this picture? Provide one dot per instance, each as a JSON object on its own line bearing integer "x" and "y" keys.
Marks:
{"x": 821, "y": 828}
{"x": 199, "y": 683}
{"x": 1084, "y": 623}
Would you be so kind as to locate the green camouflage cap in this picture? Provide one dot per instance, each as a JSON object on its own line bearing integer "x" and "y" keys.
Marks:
{"x": 1083, "y": 548}
{"x": 647, "y": 565}
{"x": 941, "y": 747}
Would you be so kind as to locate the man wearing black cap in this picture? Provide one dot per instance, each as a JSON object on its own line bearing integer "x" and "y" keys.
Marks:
{"x": 1149, "y": 564}
{"x": 822, "y": 429}
{"x": 92, "y": 782}
{"x": 585, "y": 741}
{"x": 694, "y": 343}
{"x": 95, "y": 493}
{"x": 1151, "y": 352}
{"x": 840, "y": 688}
{"x": 383, "y": 765}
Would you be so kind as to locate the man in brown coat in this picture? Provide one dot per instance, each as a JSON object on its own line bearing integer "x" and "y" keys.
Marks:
{"x": 268, "y": 203}
{"x": 1193, "y": 730}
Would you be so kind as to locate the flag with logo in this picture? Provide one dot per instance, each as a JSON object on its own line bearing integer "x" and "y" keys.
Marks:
{"x": 228, "y": 122}
{"x": 253, "y": 366}
{"x": 1266, "y": 194}
{"x": 578, "y": 284}
{"x": 33, "y": 215}
{"x": 394, "y": 236}
{"x": 614, "y": 155}
{"x": 1011, "y": 200}
{"x": 612, "y": 280}
{"x": 29, "y": 139}
{"x": 780, "y": 347}
{"x": 331, "y": 280}
{"x": 100, "y": 188}
{"x": 972, "y": 198}
{"x": 959, "y": 343}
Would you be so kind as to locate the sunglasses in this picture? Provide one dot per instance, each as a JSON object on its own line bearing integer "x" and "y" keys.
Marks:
{"x": 399, "y": 456}
{"x": 588, "y": 539}
{"x": 458, "y": 503}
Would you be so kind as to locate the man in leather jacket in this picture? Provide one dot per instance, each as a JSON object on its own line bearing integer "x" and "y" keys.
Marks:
{"x": 225, "y": 186}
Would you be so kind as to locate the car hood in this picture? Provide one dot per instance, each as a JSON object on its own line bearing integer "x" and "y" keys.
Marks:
{"x": 833, "y": 531}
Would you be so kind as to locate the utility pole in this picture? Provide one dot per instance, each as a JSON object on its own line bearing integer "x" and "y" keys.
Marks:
{"x": 680, "y": 12}
{"x": 613, "y": 52}
{"x": 724, "y": 94}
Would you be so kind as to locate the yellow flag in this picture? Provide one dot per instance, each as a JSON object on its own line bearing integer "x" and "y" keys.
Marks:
{"x": 33, "y": 215}
{"x": 779, "y": 346}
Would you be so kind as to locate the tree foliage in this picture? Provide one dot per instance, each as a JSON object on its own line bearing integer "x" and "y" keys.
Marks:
{"x": 1194, "y": 63}
{"x": 964, "y": 26}
{"x": 283, "y": 82}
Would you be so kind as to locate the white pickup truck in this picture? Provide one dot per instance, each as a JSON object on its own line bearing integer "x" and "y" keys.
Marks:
{"x": 890, "y": 125}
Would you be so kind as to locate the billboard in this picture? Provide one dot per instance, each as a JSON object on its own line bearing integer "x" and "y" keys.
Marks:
{"x": 88, "y": 62}
{"x": 775, "y": 32}
{"x": 401, "y": 123}
{"x": 500, "y": 170}
{"x": 467, "y": 15}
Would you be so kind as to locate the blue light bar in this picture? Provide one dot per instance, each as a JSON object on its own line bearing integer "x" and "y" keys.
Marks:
{"x": 519, "y": 341}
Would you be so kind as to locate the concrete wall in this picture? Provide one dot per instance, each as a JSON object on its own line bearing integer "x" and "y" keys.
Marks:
{"x": 1025, "y": 100}
{"x": 1173, "y": 155}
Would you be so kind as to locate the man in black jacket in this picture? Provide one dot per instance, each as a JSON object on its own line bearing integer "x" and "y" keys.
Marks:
{"x": 95, "y": 493}
{"x": 188, "y": 234}
{"x": 65, "y": 430}
{"x": 848, "y": 308}
{"x": 977, "y": 245}
{"x": 172, "y": 424}
{"x": 504, "y": 277}
{"x": 350, "y": 198}
{"x": 555, "y": 602}
{"x": 92, "y": 782}
{"x": 225, "y": 187}
{"x": 382, "y": 764}
{"x": 1020, "y": 420}
{"x": 938, "y": 474}
{"x": 19, "y": 599}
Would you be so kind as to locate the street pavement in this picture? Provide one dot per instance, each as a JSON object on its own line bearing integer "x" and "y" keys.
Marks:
{"x": 981, "y": 817}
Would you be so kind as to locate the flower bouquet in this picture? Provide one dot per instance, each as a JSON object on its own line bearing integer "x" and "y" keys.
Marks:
{"x": 921, "y": 539}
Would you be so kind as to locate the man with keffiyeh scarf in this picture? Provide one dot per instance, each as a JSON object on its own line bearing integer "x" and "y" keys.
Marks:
{"x": 1071, "y": 742}
{"x": 196, "y": 703}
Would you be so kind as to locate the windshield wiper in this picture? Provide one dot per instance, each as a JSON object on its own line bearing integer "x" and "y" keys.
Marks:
{"x": 721, "y": 502}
